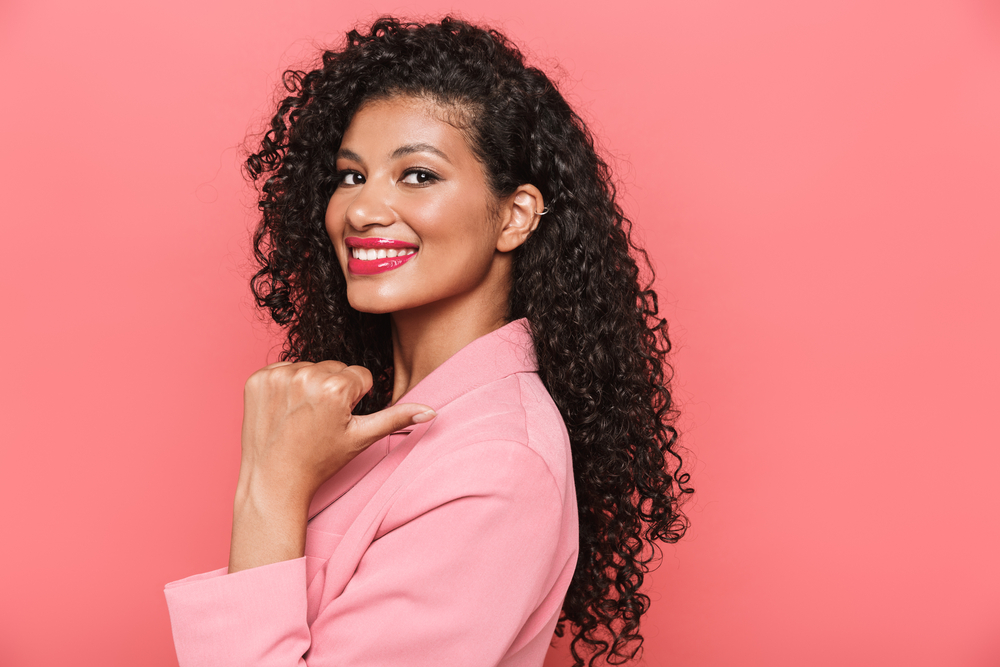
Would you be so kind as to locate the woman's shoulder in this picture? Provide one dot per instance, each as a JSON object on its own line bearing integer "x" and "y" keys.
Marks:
{"x": 514, "y": 414}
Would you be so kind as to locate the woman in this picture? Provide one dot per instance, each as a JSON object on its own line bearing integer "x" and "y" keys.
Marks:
{"x": 468, "y": 441}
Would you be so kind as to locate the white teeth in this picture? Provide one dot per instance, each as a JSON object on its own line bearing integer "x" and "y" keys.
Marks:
{"x": 372, "y": 254}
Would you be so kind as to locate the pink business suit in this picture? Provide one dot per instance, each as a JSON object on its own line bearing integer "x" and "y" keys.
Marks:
{"x": 451, "y": 544}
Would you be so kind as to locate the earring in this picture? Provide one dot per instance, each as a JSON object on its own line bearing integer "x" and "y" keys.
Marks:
{"x": 543, "y": 211}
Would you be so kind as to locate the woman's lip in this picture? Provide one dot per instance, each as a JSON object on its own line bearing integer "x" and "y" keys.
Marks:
{"x": 375, "y": 242}
{"x": 369, "y": 267}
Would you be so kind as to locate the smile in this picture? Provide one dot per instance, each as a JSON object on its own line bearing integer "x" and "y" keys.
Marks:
{"x": 381, "y": 253}
{"x": 377, "y": 255}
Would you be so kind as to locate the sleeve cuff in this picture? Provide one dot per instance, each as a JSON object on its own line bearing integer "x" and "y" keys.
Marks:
{"x": 253, "y": 617}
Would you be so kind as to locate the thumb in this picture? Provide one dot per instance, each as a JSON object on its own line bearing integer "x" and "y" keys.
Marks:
{"x": 369, "y": 428}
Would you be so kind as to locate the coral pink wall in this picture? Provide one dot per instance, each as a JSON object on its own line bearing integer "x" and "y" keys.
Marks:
{"x": 819, "y": 183}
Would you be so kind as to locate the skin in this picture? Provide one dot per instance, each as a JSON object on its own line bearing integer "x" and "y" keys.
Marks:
{"x": 408, "y": 174}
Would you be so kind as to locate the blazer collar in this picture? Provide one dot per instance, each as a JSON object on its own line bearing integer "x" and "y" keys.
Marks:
{"x": 503, "y": 352}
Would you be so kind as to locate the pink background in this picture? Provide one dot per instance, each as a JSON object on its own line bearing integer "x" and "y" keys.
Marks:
{"x": 818, "y": 182}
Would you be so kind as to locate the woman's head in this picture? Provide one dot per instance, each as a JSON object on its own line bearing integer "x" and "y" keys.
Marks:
{"x": 600, "y": 344}
{"x": 414, "y": 222}
{"x": 516, "y": 123}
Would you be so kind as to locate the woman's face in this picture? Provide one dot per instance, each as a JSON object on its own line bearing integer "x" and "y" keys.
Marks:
{"x": 411, "y": 219}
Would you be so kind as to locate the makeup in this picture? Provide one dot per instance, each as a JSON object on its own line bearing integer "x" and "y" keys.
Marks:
{"x": 370, "y": 256}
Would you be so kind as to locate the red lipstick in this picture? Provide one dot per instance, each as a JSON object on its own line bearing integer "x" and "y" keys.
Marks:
{"x": 364, "y": 257}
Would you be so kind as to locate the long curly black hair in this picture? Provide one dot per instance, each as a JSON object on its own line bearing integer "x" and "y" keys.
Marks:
{"x": 600, "y": 343}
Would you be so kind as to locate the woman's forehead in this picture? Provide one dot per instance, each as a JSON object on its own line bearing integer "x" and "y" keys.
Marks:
{"x": 399, "y": 125}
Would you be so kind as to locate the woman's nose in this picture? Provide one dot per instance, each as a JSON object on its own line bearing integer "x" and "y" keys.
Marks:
{"x": 371, "y": 206}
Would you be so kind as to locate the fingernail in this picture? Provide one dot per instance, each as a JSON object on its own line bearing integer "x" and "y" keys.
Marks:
{"x": 424, "y": 417}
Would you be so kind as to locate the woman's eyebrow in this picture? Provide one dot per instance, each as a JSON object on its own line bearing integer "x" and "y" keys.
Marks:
{"x": 348, "y": 154}
{"x": 409, "y": 149}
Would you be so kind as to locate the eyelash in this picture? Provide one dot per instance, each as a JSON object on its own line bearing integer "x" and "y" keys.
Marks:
{"x": 429, "y": 176}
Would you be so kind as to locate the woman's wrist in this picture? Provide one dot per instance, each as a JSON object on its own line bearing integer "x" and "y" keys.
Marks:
{"x": 269, "y": 524}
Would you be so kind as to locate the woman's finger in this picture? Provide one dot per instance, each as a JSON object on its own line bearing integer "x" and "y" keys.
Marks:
{"x": 331, "y": 365}
{"x": 278, "y": 364}
{"x": 361, "y": 382}
{"x": 366, "y": 429}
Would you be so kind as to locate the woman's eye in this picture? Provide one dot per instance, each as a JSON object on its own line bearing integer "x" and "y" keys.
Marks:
{"x": 418, "y": 177}
{"x": 350, "y": 178}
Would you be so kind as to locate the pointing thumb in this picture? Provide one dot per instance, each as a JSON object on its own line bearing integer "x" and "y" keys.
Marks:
{"x": 373, "y": 427}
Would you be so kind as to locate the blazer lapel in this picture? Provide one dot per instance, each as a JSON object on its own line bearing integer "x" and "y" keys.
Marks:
{"x": 364, "y": 463}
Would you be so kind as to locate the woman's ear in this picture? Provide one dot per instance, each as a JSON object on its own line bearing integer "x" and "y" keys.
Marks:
{"x": 519, "y": 216}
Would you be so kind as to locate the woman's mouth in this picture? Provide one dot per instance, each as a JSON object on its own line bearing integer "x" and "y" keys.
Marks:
{"x": 377, "y": 255}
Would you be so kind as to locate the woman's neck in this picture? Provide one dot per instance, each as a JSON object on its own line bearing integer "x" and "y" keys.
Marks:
{"x": 423, "y": 339}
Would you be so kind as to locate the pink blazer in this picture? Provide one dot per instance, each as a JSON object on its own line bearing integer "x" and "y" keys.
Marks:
{"x": 452, "y": 543}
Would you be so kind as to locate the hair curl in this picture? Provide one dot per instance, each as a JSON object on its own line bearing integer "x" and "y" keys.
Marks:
{"x": 600, "y": 343}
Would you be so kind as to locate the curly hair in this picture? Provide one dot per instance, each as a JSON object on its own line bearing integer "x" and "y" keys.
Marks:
{"x": 600, "y": 344}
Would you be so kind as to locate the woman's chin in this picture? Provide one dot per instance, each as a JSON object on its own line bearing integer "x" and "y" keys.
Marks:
{"x": 366, "y": 307}
{"x": 373, "y": 304}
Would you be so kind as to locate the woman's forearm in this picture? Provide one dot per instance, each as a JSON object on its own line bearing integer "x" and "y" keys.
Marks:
{"x": 268, "y": 526}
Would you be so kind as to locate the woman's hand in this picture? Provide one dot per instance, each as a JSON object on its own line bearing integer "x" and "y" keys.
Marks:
{"x": 298, "y": 431}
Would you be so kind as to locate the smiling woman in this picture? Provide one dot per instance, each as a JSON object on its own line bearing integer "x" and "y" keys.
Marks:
{"x": 468, "y": 443}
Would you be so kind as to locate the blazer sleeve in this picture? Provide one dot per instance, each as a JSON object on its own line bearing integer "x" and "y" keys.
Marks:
{"x": 459, "y": 566}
